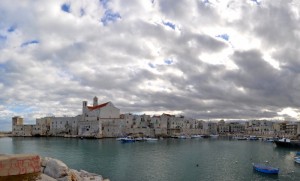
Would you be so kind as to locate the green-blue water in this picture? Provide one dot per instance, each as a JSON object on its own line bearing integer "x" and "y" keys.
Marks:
{"x": 168, "y": 159}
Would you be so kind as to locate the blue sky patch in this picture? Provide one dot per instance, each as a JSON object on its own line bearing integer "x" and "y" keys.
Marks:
{"x": 169, "y": 24}
{"x": 257, "y": 2}
{"x": 205, "y": 1}
{"x": 168, "y": 61}
{"x": 110, "y": 16}
{"x": 3, "y": 38}
{"x": 21, "y": 109}
{"x": 224, "y": 37}
{"x": 82, "y": 12}
{"x": 104, "y": 3}
{"x": 11, "y": 29}
{"x": 151, "y": 65}
{"x": 29, "y": 43}
{"x": 66, "y": 7}
{"x": 3, "y": 66}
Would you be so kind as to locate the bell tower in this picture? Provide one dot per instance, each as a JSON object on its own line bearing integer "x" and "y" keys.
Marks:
{"x": 95, "y": 101}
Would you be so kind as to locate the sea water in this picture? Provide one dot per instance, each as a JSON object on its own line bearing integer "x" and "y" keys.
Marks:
{"x": 167, "y": 159}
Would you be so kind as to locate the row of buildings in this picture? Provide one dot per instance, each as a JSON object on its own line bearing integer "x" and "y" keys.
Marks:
{"x": 105, "y": 120}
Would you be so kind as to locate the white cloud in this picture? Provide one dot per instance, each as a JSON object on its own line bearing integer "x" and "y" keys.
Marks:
{"x": 76, "y": 57}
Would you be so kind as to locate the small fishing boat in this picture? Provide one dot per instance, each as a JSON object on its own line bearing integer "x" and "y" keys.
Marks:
{"x": 151, "y": 139}
{"x": 196, "y": 136}
{"x": 240, "y": 138}
{"x": 139, "y": 139}
{"x": 253, "y": 138}
{"x": 265, "y": 169}
{"x": 127, "y": 140}
{"x": 214, "y": 135}
{"x": 297, "y": 160}
{"x": 181, "y": 137}
{"x": 285, "y": 142}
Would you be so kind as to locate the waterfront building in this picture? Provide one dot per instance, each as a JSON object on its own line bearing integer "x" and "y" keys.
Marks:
{"x": 61, "y": 126}
{"x": 298, "y": 129}
{"x": 260, "y": 128}
{"x": 19, "y": 129}
{"x": 279, "y": 129}
{"x": 94, "y": 117}
{"x": 223, "y": 128}
{"x": 104, "y": 120}
{"x": 291, "y": 129}
{"x": 236, "y": 128}
{"x": 212, "y": 128}
{"x": 17, "y": 126}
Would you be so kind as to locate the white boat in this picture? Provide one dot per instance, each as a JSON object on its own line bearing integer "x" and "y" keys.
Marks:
{"x": 286, "y": 140}
{"x": 214, "y": 135}
{"x": 139, "y": 139}
{"x": 240, "y": 138}
{"x": 297, "y": 160}
{"x": 269, "y": 140}
{"x": 120, "y": 138}
{"x": 196, "y": 136}
{"x": 127, "y": 139}
{"x": 181, "y": 137}
{"x": 151, "y": 139}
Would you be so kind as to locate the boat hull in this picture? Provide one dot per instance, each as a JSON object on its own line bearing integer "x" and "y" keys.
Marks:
{"x": 291, "y": 144}
{"x": 265, "y": 169}
{"x": 127, "y": 140}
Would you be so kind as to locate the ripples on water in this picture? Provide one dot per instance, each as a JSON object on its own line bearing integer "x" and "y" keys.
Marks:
{"x": 168, "y": 159}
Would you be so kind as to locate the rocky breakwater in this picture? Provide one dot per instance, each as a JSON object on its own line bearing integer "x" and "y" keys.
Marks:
{"x": 34, "y": 168}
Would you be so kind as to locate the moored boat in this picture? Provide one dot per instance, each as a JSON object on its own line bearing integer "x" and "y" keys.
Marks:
{"x": 240, "y": 138}
{"x": 205, "y": 136}
{"x": 214, "y": 135}
{"x": 181, "y": 137}
{"x": 269, "y": 140}
{"x": 196, "y": 136}
{"x": 253, "y": 138}
{"x": 150, "y": 139}
{"x": 265, "y": 169}
{"x": 297, "y": 160}
{"x": 285, "y": 142}
{"x": 127, "y": 140}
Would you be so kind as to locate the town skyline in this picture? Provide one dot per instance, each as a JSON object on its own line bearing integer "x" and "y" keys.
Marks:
{"x": 205, "y": 59}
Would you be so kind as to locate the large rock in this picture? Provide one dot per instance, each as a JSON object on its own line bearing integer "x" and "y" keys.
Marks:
{"x": 55, "y": 168}
{"x": 19, "y": 164}
{"x": 75, "y": 175}
{"x": 44, "y": 177}
{"x": 86, "y": 176}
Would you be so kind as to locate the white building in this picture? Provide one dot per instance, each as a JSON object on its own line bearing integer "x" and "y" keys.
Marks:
{"x": 94, "y": 117}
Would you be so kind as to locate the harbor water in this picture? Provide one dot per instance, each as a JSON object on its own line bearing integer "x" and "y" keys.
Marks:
{"x": 167, "y": 159}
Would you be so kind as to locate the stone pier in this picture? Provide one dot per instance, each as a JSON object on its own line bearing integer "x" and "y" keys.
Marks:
{"x": 19, "y": 164}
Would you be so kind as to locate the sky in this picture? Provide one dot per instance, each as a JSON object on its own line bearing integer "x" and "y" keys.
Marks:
{"x": 205, "y": 59}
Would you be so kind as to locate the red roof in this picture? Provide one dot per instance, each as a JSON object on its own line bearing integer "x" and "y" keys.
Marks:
{"x": 91, "y": 108}
{"x": 168, "y": 115}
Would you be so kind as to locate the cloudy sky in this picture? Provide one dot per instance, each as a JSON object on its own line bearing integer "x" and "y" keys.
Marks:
{"x": 206, "y": 59}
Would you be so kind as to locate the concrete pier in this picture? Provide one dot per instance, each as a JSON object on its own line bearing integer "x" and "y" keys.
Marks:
{"x": 19, "y": 164}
